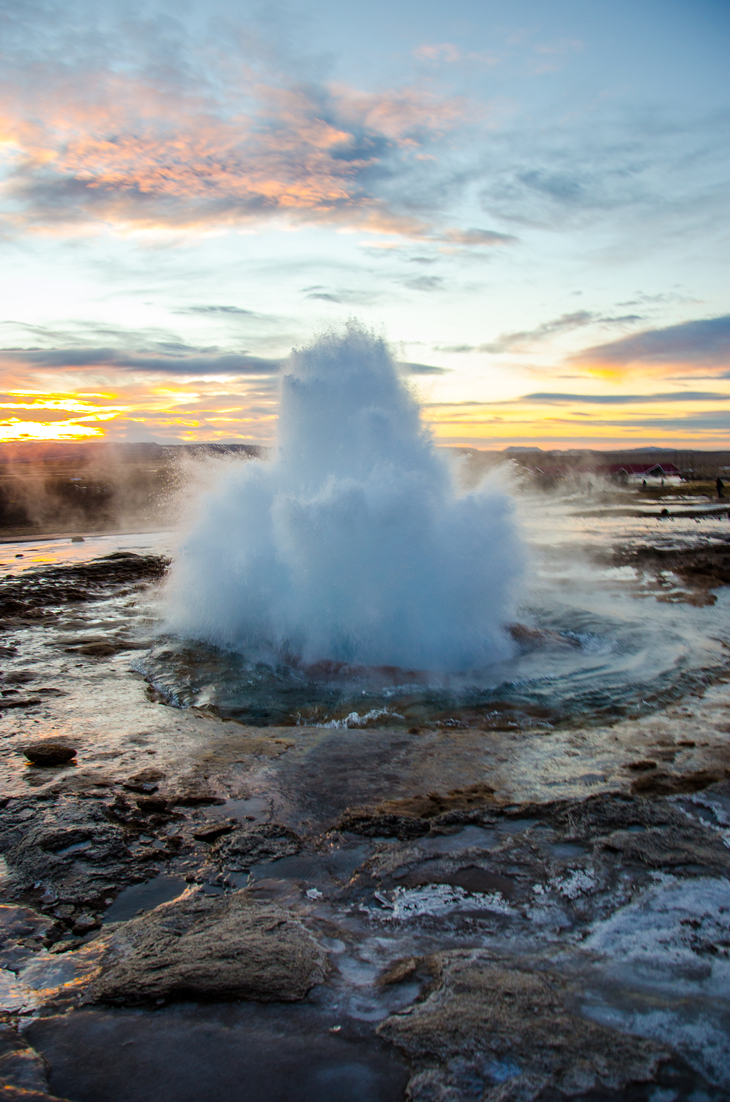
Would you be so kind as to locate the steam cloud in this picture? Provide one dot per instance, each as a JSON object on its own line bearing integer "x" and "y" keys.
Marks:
{"x": 353, "y": 543}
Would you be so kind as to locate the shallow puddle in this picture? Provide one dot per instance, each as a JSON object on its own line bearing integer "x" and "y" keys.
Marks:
{"x": 232, "y": 1053}
{"x": 143, "y": 897}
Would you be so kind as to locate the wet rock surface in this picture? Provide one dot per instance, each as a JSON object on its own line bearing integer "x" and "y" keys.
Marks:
{"x": 68, "y": 852}
{"x": 23, "y": 1071}
{"x": 701, "y": 569}
{"x": 222, "y": 948}
{"x": 35, "y": 594}
{"x": 240, "y": 850}
{"x": 327, "y": 913}
{"x": 494, "y": 1032}
{"x": 535, "y": 882}
{"x": 532, "y": 881}
{"x": 415, "y": 816}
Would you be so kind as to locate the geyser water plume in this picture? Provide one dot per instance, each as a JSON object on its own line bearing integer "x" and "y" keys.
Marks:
{"x": 352, "y": 544}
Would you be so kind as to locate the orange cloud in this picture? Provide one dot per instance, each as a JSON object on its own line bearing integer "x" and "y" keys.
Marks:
{"x": 692, "y": 347}
{"x": 133, "y": 154}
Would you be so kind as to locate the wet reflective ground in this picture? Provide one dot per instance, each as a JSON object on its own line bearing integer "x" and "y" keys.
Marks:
{"x": 473, "y": 824}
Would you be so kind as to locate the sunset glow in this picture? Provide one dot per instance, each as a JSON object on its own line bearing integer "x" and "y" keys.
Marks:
{"x": 530, "y": 206}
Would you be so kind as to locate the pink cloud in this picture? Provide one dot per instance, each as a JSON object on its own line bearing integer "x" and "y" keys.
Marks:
{"x": 130, "y": 153}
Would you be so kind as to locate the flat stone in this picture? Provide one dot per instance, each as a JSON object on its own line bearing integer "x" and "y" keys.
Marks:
{"x": 219, "y": 947}
{"x": 85, "y": 922}
{"x": 19, "y": 923}
{"x": 47, "y": 752}
{"x": 151, "y": 805}
{"x": 417, "y": 815}
{"x": 97, "y": 650}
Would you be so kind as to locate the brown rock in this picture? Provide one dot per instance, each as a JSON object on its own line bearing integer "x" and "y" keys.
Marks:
{"x": 85, "y": 922}
{"x": 23, "y": 1072}
{"x": 47, "y": 752}
{"x": 151, "y": 805}
{"x": 506, "y": 1032}
{"x": 192, "y": 792}
{"x": 95, "y": 650}
{"x": 219, "y": 947}
{"x": 415, "y": 815}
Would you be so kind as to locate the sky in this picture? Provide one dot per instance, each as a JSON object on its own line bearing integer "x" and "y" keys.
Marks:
{"x": 529, "y": 201}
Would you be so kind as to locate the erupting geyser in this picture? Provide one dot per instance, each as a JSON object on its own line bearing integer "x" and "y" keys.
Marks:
{"x": 352, "y": 543}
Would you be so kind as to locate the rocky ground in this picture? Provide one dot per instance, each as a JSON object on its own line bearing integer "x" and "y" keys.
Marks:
{"x": 195, "y": 909}
{"x": 699, "y": 569}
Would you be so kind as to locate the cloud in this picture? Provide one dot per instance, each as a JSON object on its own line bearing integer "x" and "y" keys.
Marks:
{"x": 478, "y": 237}
{"x": 564, "y": 323}
{"x": 506, "y": 342}
{"x": 664, "y": 173}
{"x": 449, "y": 54}
{"x": 41, "y": 414}
{"x": 342, "y": 295}
{"x": 193, "y": 134}
{"x": 182, "y": 408}
{"x": 219, "y": 311}
{"x": 705, "y": 421}
{"x": 421, "y": 369}
{"x": 236, "y": 364}
{"x": 444, "y": 51}
{"x": 424, "y": 283}
{"x": 153, "y": 126}
{"x": 703, "y": 344}
{"x": 557, "y": 399}
{"x": 623, "y": 399}
{"x": 121, "y": 116}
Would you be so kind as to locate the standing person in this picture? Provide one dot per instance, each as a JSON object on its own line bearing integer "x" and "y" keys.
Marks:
{"x": 719, "y": 486}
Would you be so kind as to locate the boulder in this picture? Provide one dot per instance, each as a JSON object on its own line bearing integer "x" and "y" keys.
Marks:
{"x": 219, "y": 947}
